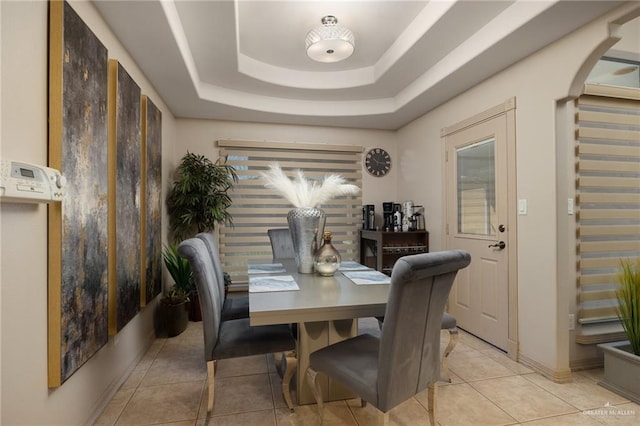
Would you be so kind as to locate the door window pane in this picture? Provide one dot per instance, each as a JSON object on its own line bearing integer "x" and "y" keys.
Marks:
{"x": 476, "y": 188}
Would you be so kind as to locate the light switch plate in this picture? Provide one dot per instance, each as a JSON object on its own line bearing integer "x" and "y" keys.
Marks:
{"x": 522, "y": 207}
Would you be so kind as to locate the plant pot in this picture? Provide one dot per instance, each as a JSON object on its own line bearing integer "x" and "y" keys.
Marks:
{"x": 621, "y": 370}
{"x": 176, "y": 318}
{"x": 195, "y": 314}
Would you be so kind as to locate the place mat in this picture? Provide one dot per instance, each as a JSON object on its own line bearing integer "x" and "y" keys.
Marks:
{"x": 367, "y": 277}
{"x": 350, "y": 265}
{"x": 267, "y": 284}
{"x": 266, "y": 268}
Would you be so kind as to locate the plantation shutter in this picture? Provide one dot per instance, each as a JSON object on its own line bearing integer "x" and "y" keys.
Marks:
{"x": 608, "y": 196}
{"x": 256, "y": 209}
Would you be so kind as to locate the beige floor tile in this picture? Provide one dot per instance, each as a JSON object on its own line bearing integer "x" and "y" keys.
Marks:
{"x": 522, "y": 399}
{"x": 455, "y": 379}
{"x": 335, "y": 414}
{"x": 136, "y": 377}
{"x": 261, "y": 418}
{"x": 619, "y": 415}
{"x": 583, "y": 393}
{"x": 175, "y": 364}
{"x": 410, "y": 413}
{"x": 461, "y": 405}
{"x": 162, "y": 404}
{"x": 460, "y": 347}
{"x": 503, "y": 359}
{"x": 595, "y": 374}
{"x": 575, "y": 419}
{"x": 303, "y": 415}
{"x": 474, "y": 365}
{"x": 242, "y": 366}
{"x": 474, "y": 342}
{"x": 239, "y": 394}
{"x": 115, "y": 407}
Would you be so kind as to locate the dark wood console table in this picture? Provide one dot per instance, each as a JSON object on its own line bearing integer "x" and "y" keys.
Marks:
{"x": 380, "y": 249}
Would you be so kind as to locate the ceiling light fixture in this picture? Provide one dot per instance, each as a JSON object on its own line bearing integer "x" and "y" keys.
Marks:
{"x": 329, "y": 42}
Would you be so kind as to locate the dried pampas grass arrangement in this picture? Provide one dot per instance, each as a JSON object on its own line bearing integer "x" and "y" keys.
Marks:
{"x": 302, "y": 193}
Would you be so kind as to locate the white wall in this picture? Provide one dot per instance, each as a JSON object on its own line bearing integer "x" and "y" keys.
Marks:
{"x": 199, "y": 136}
{"x": 26, "y": 399}
{"x": 537, "y": 82}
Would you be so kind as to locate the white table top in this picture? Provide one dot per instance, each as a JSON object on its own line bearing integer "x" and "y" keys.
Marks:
{"x": 319, "y": 299}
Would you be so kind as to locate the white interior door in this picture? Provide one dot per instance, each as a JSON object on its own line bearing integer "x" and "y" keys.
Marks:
{"x": 477, "y": 221}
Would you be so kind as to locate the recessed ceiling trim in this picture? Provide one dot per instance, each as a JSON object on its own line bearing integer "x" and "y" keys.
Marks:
{"x": 304, "y": 79}
{"x": 271, "y": 104}
{"x": 175, "y": 24}
{"x": 430, "y": 14}
{"x": 501, "y": 27}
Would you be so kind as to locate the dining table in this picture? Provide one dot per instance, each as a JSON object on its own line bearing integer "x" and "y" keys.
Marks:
{"x": 325, "y": 308}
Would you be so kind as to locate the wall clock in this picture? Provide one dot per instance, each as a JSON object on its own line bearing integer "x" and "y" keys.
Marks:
{"x": 377, "y": 162}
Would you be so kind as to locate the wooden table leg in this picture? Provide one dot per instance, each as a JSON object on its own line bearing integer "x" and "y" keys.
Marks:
{"x": 317, "y": 335}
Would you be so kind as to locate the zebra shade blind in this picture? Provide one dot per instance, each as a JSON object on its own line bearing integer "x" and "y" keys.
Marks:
{"x": 608, "y": 195}
{"x": 256, "y": 209}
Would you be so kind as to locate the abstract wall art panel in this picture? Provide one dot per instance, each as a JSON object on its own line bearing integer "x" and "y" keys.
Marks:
{"x": 125, "y": 163}
{"x": 152, "y": 196}
{"x": 78, "y": 226}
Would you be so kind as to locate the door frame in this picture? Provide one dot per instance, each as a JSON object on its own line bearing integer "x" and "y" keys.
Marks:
{"x": 508, "y": 108}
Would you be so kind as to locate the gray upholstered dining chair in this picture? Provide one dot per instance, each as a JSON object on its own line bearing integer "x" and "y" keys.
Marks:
{"x": 450, "y": 324}
{"x": 281, "y": 243}
{"x": 233, "y": 307}
{"x": 232, "y": 338}
{"x": 405, "y": 360}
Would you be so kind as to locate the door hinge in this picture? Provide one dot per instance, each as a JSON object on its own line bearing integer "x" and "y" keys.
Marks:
{"x": 447, "y": 229}
{"x": 446, "y": 156}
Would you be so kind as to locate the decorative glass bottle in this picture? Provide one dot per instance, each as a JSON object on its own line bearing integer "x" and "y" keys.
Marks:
{"x": 326, "y": 258}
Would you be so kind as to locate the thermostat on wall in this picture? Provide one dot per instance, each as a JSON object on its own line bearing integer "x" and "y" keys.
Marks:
{"x": 28, "y": 183}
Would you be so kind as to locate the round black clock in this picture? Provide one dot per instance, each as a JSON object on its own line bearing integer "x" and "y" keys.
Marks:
{"x": 377, "y": 162}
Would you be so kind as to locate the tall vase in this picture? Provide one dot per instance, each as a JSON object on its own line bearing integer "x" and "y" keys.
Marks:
{"x": 307, "y": 226}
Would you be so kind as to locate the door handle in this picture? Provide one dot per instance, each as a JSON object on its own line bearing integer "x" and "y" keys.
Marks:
{"x": 499, "y": 245}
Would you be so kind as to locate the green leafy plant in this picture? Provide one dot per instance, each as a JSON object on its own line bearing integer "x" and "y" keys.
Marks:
{"x": 198, "y": 199}
{"x": 180, "y": 271}
{"x": 628, "y": 294}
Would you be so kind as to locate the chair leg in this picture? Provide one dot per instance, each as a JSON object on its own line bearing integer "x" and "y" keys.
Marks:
{"x": 453, "y": 340}
{"x": 432, "y": 404}
{"x": 290, "y": 370}
{"x": 211, "y": 371}
{"x": 383, "y": 418}
{"x": 312, "y": 376}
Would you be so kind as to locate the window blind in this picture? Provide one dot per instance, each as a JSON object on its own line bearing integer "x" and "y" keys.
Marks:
{"x": 608, "y": 197}
{"x": 256, "y": 209}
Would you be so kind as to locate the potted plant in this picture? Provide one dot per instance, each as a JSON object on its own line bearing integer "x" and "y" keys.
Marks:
{"x": 622, "y": 359}
{"x": 198, "y": 201}
{"x": 174, "y": 305}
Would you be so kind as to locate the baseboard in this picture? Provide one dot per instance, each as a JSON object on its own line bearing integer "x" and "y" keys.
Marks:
{"x": 558, "y": 376}
{"x": 115, "y": 386}
{"x": 586, "y": 364}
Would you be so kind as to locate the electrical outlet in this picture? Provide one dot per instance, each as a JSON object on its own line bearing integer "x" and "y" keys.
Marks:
{"x": 570, "y": 207}
{"x": 572, "y": 322}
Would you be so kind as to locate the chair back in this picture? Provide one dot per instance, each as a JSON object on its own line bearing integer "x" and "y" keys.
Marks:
{"x": 281, "y": 243}
{"x": 409, "y": 359}
{"x": 214, "y": 252}
{"x": 195, "y": 251}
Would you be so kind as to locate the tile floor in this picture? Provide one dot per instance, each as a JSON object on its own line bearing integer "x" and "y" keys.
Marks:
{"x": 168, "y": 387}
